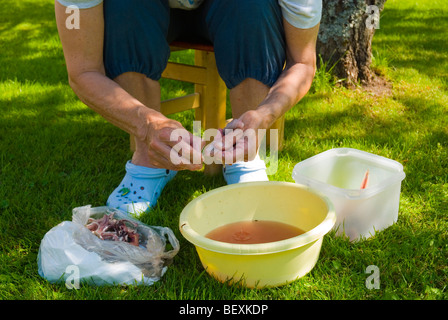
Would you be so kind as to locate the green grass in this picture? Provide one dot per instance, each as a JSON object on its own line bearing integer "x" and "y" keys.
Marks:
{"x": 56, "y": 154}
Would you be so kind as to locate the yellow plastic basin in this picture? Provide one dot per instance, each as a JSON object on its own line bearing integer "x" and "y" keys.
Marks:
{"x": 265, "y": 264}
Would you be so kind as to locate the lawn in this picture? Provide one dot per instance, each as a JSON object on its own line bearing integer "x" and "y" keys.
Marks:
{"x": 56, "y": 154}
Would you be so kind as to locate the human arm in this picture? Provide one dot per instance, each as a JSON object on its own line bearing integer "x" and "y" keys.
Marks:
{"x": 295, "y": 80}
{"x": 83, "y": 51}
{"x": 291, "y": 86}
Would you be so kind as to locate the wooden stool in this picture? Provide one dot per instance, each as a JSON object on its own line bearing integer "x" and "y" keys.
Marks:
{"x": 210, "y": 92}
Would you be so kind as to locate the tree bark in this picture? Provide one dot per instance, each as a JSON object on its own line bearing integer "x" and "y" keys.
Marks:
{"x": 345, "y": 37}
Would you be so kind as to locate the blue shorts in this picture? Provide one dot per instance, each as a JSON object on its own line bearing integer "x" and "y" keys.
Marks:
{"x": 247, "y": 35}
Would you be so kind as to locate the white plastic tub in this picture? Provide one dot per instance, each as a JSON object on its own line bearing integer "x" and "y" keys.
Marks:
{"x": 338, "y": 174}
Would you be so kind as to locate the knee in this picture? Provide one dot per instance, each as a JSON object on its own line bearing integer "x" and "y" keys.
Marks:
{"x": 135, "y": 37}
{"x": 255, "y": 14}
{"x": 260, "y": 8}
{"x": 136, "y": 16}
{"x": 249, "y": 40}
{"x": 249, "y": 17}
{"x": 131, "y": 8}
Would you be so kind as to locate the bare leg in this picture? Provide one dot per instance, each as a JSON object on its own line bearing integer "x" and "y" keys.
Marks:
{"x": 244, "y": 97}
{"x": 147, "y": 91}
{"x": 143, "y": 184}
{"x": 247, "y": 96}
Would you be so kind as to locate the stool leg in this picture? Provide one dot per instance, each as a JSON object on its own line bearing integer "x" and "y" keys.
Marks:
{"x": 212, "y": 112}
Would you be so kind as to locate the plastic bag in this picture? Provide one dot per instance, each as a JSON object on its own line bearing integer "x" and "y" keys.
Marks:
{"x": 71, "y": 246}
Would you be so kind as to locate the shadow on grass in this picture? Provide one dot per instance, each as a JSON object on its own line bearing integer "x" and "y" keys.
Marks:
{"x": 418, "y": 40}
{"x": 30, "y": 47}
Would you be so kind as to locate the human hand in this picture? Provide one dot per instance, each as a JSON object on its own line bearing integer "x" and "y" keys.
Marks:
{"x": 240, "y": 139}
{"x": 171, "y": 146}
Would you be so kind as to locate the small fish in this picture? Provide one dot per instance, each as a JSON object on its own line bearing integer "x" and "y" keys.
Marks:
{"x": 365, "y": 181}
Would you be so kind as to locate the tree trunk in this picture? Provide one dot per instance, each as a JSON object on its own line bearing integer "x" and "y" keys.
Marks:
{"x": 345, "y": 37}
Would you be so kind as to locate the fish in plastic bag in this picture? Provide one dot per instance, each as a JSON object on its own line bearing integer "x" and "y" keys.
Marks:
{"x": 72, "y": 246}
